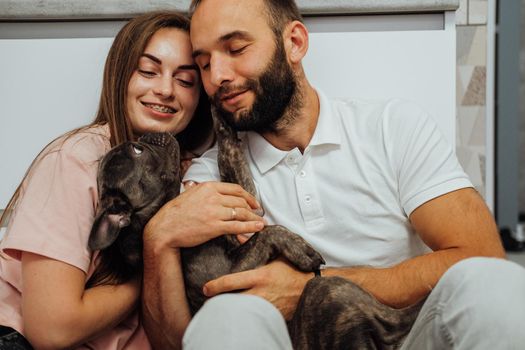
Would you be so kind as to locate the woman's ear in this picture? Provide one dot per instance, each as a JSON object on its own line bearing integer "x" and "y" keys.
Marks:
{"x": 296, "y": 41}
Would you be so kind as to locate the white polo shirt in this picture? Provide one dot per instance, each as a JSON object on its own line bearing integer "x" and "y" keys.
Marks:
{"x": 368, "y": 166}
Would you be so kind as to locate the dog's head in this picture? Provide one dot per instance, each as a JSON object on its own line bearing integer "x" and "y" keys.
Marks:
{"x": 134, "y": 180}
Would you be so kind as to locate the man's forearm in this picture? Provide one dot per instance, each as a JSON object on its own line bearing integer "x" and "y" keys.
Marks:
{"x": 164, "y": 306}
{"x": 406, "y": 283}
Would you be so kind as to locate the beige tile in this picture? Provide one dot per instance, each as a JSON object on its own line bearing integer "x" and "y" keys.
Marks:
{"x": 477, "y": 136}
{"x": 463, "y": 75}
{"x": 469, "y": 160}
{"x": 478, "y": 50}
{"x": 477, "y": 12}
{"x": 482, "y": 165}
{"x": 475, "y": 94}
{"x": 464, "y": 38}
{"x": 466, "y": 122}
{"x": 461, "y": 13}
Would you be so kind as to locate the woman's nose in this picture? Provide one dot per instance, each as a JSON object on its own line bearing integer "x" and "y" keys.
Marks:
{"x": 164, "y": 87}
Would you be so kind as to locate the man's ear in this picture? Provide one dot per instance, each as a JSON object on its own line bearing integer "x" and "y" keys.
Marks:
{"x": 295, "y": 41}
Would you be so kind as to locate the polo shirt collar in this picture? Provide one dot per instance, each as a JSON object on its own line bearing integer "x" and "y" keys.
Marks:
{"x": 265, "y": 156}
{"x": 328, "y": 124}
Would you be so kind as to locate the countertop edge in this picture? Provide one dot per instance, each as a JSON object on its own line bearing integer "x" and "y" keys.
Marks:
{"x": 78, "y": 10}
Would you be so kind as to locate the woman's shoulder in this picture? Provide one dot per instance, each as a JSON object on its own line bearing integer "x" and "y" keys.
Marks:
{"x": 87, "y": 144}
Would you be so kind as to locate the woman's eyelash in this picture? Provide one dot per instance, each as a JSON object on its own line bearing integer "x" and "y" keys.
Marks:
{"x": 146, "y": 72}
{"x": 185, "y": 83}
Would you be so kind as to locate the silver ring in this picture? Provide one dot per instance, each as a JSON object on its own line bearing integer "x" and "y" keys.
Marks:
{"x": 234, "y": 214}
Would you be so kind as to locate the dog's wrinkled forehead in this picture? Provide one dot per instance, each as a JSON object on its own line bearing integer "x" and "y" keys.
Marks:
{"x": 153, "y": 156}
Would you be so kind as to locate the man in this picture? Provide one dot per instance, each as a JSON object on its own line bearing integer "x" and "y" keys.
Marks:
{"x": 365, "y": 183}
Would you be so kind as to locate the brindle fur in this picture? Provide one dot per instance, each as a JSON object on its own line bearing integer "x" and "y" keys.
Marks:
{"x": 333, "y": 313}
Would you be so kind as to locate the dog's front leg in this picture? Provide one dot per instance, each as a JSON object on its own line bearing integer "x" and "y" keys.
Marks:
{"x": 273, "y": 242}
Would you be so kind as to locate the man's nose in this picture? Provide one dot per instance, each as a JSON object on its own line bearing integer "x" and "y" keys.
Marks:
{"x": 221, "y": 71}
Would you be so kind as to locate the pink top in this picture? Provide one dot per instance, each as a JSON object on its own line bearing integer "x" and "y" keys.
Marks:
{"x": 53, "y": 218}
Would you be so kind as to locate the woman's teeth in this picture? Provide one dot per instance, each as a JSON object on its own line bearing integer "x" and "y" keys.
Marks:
{"x": 158, "y": 108}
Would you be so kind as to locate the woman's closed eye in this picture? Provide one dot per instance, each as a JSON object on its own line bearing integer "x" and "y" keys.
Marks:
{"x": 186, "y": 83}
{"x": 185, "y": 79}
{"x": 146, "y": 73}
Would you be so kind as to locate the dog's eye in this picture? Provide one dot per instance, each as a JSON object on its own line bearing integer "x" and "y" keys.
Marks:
{"x": 137, "y": 149}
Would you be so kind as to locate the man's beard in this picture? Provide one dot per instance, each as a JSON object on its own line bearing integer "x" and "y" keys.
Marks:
{"x": 275, "y": 90}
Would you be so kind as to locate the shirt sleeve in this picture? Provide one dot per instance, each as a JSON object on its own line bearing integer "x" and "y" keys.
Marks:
{"x": 425, "y": 163}
{"x": 204, "y": 168}
{"x": 55, "y": 212}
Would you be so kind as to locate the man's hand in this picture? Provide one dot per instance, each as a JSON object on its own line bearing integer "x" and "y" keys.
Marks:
{"x": 278, "y": 282}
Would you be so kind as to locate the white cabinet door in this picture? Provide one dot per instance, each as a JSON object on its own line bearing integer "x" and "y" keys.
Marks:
{"x": 375, "y": 57}
{"x": 49, "y": 86}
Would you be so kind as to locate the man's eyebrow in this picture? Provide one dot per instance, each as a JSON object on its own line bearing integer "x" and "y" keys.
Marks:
{"x": 181, "y": 67}
{"x": 237, "y": 34}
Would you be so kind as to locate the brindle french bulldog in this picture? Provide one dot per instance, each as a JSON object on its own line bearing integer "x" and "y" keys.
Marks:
{"x": 136, "y": 178}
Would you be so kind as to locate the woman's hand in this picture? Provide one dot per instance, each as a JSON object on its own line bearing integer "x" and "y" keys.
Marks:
{"x": 201, "y": 213}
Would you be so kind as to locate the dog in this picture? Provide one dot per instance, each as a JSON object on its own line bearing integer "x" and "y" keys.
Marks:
{"x": 332, "y": 313}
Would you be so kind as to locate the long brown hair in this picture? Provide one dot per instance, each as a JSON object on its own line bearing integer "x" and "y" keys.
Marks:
{"x": 121, "y": 62}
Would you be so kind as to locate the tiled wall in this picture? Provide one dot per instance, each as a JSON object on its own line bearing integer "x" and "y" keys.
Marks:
{"x": 471, "y": 51}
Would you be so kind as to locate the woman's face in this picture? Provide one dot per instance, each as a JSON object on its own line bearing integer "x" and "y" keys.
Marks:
{"x": 163, "y": 91}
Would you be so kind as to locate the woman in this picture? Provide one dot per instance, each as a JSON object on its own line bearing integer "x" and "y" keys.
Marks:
{"x": 150, "y": 83}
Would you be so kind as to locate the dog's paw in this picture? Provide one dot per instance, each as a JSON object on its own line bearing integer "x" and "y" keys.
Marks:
{"x": 308, "y": 260}
{"x": 294, "y": 248}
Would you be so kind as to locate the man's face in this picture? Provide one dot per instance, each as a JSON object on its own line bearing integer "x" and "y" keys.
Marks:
{"x": 244, "y": 69}
{"x": 273, "y": 91}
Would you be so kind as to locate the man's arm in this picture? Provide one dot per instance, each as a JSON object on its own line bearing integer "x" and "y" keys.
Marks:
{"x": 455, "y": 226}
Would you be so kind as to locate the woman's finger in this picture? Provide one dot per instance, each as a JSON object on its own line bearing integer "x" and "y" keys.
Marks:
{"x": 235, "y": 190}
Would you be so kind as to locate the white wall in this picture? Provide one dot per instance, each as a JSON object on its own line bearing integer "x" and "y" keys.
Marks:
{"x": 50, "y": 85}
{"x": 47, "y": 87}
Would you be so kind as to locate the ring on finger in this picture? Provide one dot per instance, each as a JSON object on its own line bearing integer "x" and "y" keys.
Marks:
{"x": 234, "y": 214}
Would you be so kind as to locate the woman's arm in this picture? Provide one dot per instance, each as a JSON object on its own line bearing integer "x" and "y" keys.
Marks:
{"x": 196, "y": 216}
{"x": 165, "y": 310}
{"x": 59, "y": 313}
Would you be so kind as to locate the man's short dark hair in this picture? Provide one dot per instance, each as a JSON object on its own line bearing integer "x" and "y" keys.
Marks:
{"x": 279, "y": 12}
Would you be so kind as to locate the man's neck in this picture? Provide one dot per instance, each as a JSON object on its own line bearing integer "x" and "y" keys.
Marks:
{"x": 298, "y": 130}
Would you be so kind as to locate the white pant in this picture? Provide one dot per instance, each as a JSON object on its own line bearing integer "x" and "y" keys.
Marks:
{"x": 479, "y": 303}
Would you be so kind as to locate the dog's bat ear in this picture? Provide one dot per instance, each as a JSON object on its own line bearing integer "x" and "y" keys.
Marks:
{"x": 106, "y": 228}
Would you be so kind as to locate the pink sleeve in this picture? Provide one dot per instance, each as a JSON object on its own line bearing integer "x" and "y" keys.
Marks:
{"x": 55, "y": 213}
